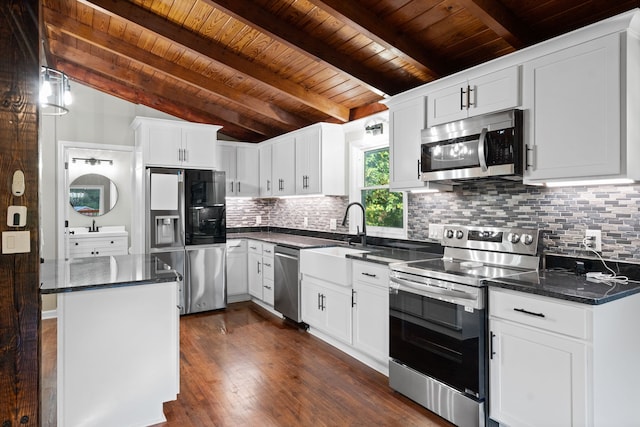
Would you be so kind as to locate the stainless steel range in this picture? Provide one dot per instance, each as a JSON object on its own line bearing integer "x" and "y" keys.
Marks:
{"x": 438, "y": 318}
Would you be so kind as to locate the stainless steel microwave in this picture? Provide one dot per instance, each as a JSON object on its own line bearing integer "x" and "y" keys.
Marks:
{"x": 478, "y": 147}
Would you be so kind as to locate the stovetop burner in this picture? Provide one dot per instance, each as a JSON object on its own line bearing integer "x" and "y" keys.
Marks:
{"x": 461, "y": 271}
{"x": 474, "y": 254}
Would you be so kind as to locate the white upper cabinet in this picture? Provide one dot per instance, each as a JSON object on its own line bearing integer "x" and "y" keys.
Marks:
{"x": 580, "y": 102}
{"x": 283, "y": 166}
{"x": 320, "y": 160}
{"x": 173, "y": 143}
{"x": 265, "y": 183}
{"x": 226, "y": 161}
{"x": 240, "y": 163}
{"x": 308, "y": 161}
{"x": 406, "y": 121}
{"x": 496, "y": 91}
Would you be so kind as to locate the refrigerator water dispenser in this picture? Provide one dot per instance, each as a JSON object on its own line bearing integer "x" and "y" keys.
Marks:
{"x": 167, "y": 229}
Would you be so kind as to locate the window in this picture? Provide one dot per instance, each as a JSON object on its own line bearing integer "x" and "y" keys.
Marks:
{"x": 384, "y": 208}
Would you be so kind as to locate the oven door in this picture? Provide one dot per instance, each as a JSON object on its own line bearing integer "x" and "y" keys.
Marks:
{"x": 439, "y": 332}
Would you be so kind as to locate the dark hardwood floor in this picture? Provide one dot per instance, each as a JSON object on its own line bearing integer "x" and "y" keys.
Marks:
{"x": 244, "y": 367}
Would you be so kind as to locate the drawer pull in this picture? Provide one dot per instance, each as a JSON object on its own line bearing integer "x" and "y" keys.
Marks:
{"x": 266, "y": 265}
{"x": 522, "y": 310}
{"x": 369, "y": 274}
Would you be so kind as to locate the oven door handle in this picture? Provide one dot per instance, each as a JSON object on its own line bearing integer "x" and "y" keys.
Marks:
{"x": 427, "y": 290}
{"x": 482, "y": 155}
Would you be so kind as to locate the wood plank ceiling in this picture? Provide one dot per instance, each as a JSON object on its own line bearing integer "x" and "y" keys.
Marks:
{"x": 261, "y": 68}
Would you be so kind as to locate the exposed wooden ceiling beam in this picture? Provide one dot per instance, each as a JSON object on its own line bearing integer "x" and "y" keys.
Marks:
{"x": 369, "y": 24}
{"x": 502, "y": 21}
{"x": 145, "y": 84}
{"x": 104, "y": 41}
{"x": 195, "y": 43}
{"x": 252, "y": 14}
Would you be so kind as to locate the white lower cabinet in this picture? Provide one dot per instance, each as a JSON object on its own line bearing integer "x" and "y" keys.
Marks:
{"x": 371, "y": 310}
{"x": 355, "y": 318}
{"x": 268, "y": 294}
{"x": 260, "y": 271}
{"x": 237, "y": 282}
{"x": 82, "y": 246}
{"x": 254, "y": 268}
{"x": 560, "y": 363}
{"x": 537, "y": 378}
{"x": 327, "y": 307}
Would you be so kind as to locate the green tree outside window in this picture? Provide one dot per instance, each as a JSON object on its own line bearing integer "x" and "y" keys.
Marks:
{"x": 384, "y": 208}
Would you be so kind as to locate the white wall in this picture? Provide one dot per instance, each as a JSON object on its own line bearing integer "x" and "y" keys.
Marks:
{"x": 94, "y": 117}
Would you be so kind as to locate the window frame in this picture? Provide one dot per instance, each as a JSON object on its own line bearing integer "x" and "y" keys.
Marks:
{"x": 356, "y": 187}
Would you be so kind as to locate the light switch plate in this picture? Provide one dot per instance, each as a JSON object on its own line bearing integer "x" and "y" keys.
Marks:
{"x": 436, "y": 231}
{"x": 15, "y": 242}
{"x": 332, "y": 224}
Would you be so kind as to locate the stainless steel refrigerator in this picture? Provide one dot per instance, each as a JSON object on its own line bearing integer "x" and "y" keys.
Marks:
{"x": 186, "y": 228}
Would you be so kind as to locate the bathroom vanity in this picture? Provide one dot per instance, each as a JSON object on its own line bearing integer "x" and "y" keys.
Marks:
{"x": 108, "y": 240}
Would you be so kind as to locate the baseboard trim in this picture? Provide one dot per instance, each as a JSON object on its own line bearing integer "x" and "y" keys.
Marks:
{"x": 50, "y": 314}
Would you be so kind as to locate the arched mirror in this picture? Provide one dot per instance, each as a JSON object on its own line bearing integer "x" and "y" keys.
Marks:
{"x": 93, "y": 194}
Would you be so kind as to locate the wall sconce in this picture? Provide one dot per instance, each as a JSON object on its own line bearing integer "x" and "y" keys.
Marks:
{"x": 92, "y": 161}
{"x": 55, "y": 92}
{"x": 374, "y": 129}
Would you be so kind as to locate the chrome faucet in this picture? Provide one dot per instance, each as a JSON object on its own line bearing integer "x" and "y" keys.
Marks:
{"x": 363, "y": 235}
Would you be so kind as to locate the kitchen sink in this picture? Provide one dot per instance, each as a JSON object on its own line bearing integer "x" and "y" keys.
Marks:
{"x": 329, "y": 263}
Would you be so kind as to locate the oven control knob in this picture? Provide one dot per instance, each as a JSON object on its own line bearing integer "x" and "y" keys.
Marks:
{"x": 459, "y": 234}
{"x": 449, "y": 234}
{"x": 527, "y": 239}
{"x": 513, "y": 237}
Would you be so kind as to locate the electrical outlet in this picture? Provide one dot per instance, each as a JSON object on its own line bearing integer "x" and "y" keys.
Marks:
{"x": 305, "y": 222}
{"x": 436, "y": 231}
{"x": 594, "y": 239}
{"x": 332, "y": 224}
{"x": 258, "y": 219}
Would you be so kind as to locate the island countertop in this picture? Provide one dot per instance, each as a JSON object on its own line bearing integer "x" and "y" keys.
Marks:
{"x": 78, "y": 274}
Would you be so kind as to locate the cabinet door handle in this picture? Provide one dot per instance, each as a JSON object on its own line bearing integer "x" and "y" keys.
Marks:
{"x": 353, "y": 298}
{"x": 266, "y": 265}
{"x": 267, "y": 287}
{"x": 258, "y": 267}
{"x": 369, "y": 274}
{"x": 319, "y": 303}
{"x": 419, "y": 171}
{"x": 323, "y": 305}
{"x": 76, "y": 243}
{"x": 239, "y": 187}
{"x": 185, "y": 155}
{"x": 491, "y": 352}
{"x": 527, "y": 149}
{"x": 462, "y": 93}
{"x": 268, "y": 185}
{"x": 179, "y": 154}
{"x": 112, "y": 242}
{"x": 531, "y": 313}
{"x": 469, "y": 103}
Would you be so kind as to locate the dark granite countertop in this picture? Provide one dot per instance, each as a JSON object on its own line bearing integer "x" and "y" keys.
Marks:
{"x": 386, "y": 256}
{"x": 80, "y": 274}
{"x": 566, "y": 285}
{"x": 294, "y": 241}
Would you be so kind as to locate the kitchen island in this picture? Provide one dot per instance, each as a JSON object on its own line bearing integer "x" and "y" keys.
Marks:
{"x": 118, "y": 339}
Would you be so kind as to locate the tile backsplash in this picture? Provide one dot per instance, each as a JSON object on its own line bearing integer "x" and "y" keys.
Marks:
{"x": 565, "y": 212}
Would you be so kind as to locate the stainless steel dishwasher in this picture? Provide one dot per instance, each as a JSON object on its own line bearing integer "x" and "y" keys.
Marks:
{"x": 286, "y": 276}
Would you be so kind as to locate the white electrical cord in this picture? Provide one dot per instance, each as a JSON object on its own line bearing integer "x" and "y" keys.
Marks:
{"x": 608, "y": 279}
